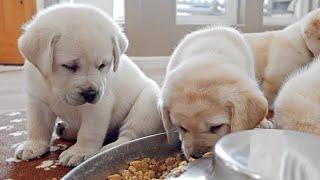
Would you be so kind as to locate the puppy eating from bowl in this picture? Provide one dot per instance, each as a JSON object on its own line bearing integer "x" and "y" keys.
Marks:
{"x": 210, "y": 89}
{"x": 76, "y": 70}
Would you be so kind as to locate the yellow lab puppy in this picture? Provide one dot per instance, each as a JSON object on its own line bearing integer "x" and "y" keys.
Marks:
{"x": 297, "y": 106}
{"x": 76, "y": 70}
{"x": 210, "y": 89}
{"x": 279, "y": 53}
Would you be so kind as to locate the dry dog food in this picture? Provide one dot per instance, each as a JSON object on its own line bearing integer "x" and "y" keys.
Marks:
{"x": 147, "y": 168}
{"x": 208, "y": 155}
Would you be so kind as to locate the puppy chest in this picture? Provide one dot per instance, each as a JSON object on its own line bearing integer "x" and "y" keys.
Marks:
{"x": 120, "y": 112}
{"x": 70, "y": 115}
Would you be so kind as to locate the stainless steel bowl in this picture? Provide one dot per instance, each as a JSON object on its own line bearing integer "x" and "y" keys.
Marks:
{"x": 247, "y": 155}
{"x": 267, "y": 154}
{"x": 111, "y": 161}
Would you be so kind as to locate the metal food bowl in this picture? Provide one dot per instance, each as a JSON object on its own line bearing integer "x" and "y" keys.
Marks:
{"x": 111, "y": 161}
{"x": 268, "y": 154}
{"x": 247, "y": 155}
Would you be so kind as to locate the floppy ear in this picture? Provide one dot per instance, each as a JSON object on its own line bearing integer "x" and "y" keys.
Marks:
{"x": 120, "y": 45}
{"x": 37, "y": 47}
{"x": 165, "y": 114}
{"x": 311, "y": 28}
{"x": 247, "y": 109}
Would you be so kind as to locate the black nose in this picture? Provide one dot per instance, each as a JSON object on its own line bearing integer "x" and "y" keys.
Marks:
{"x": 89, "y": 95}
{"x": 196, "y": 155}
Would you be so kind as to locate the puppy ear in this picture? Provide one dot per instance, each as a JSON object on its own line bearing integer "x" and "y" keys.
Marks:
{"x": 165, "y": 114}
{"x": 120, "y": 45}
{"x": 37, "y": 46}
{"x": 247, "y": 109}
{"x": 312, "y": 26}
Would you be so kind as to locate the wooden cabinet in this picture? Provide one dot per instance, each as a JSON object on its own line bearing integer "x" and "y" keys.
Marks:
{"x": 13, "y": 14}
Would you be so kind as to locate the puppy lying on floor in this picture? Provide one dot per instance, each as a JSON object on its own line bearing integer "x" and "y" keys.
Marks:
{"x": 298, "y": 103}
{"x": 279, "y": 53}
{"x": 76, "y": 70}
{"x": 210, "y": 89}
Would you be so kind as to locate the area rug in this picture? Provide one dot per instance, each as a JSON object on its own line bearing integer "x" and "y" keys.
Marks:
{"x": 12, "y": 133}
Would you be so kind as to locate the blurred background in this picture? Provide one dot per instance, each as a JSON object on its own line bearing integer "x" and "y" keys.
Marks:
{"x": 154, "y": 27}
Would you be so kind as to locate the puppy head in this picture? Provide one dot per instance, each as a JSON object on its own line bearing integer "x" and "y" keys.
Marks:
{"x": 74, "y": 47}
{"x": 311, "y": 31}
{"x": 205, "y": 108}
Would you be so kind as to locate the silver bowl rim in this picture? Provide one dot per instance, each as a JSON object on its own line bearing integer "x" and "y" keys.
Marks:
{"x": 96, "y": 156}
{"x": 236, "y": 166}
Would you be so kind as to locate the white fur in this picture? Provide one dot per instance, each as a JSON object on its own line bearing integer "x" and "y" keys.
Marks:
{"x": 127, "y": 98}
{"x": 279, "y": 53}
{"x": 298, "y": 103}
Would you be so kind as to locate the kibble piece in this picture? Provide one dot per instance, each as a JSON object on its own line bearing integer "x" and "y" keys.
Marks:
{"x": 208, "y": 155}
{"x": 132, "y": 169}
{"x": 169, "y": 168}
{"x": 177, "y": 172}
{"x": 147, "y": 160}
{"x": 163, "y": 167}
{"x": 153, "y": 167}
{"x": 115, "y": 177}
{"x": 125, "y": 174}
{"x": 134, "y": 178}
{"x": 165, "y": 174}
{"x": 151, "y": 174}
{"x": 153, "y": 161}
{"x": 183, "y": 163}
{"x": 170, "y": 161}
{"x": 139, "y": 175}
{"x": 140, "y": 165}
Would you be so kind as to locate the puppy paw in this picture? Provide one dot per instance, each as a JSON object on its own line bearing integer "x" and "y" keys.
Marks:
{"x": 114, "y": 144}
{"x": 75, "y": 155}
{"x": 64, "y": 132}
{"x": 31, "y": 149}
{"x": 266, "y": 124}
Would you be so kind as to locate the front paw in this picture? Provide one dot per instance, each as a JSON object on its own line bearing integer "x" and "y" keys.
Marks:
{"x": 31, "y": 149}
{"x": 266, "y": 124}
{"x": 75, "y": 155}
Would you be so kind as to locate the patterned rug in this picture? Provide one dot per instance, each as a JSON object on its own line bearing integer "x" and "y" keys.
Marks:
{"x": 12, "y": 133}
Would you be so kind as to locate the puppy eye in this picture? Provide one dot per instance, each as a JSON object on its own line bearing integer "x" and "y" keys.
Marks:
{"x": 102, "y": 66}
{"x": 72, "y": 67}
{"x": 184, "y": 130}
{"x": 214, "y": 129}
